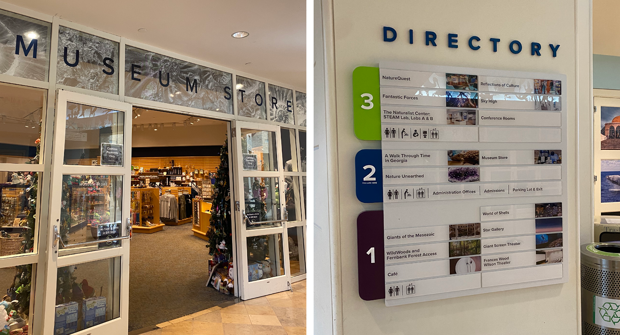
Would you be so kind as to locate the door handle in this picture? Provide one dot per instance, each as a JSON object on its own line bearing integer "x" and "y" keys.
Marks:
{"x": 59, "y": 242}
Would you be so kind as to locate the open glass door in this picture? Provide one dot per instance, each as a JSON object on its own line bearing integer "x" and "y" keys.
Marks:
{"x": 261, "y": 219}
{"x": 88, "y": 257}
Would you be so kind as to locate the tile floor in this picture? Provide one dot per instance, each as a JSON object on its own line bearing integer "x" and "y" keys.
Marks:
{"x": 278, "y": 314}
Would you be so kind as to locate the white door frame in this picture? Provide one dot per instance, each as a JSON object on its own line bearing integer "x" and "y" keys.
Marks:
{"x": 54, "y": 262}
{"x": 258, "y": 288}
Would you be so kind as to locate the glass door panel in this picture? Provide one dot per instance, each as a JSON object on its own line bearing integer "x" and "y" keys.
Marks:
{"x": 261, "y": 214}
{"x": 88, "y": 256}
{"x": 262, "y": 202}
{"x": 265, "y": 257}
{"x": 259, "y": 150}
{"x": 91, "y": 211}
{"x": 93, "y": 135}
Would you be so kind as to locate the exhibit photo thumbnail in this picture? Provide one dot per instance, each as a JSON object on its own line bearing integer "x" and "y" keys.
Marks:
{"x": 544, "y": 241}
{"x": 461, "y": 117}
{"x": 464, "y": 231}
{"x": 548, "y": 225}
{"x": 543, "y": 86}
{"x": 610, "y": 180}
{"x": 463, "y": 157}
{"x": 462, "y": 82}
{"x": 610, "y": 128}
{"x": 547, "y": 103}
{"x": 461, "y": 99}
{"x": 463, "y": 174}
{"x": 548, "y": 210}
{"x": 547, "y": 156}
{"x": 549, "y": 256}
{"x": 464, "y": 248}
{"x": 465, "y": 265}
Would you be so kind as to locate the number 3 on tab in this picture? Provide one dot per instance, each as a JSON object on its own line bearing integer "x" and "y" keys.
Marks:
{"x": 368, "y": 101}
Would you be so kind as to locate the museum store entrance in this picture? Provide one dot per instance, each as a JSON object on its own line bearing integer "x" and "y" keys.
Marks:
{"x": 69, "y": 97}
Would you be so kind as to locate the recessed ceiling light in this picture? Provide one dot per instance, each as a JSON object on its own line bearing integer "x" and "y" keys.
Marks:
{"x": 142, "y": 30}
{"x": 32, "y": 35}
{"x": 239, "y": 86}
{"x": 240, "y": 34}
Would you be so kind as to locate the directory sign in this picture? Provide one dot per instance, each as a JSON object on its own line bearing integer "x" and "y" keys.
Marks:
{"x": 473, "y": 178}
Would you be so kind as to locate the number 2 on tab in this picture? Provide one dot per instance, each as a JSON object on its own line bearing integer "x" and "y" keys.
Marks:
{"x": 368, "y": 101}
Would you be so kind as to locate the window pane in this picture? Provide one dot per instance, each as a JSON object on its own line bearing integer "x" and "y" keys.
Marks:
{"x": 265, "y": 257}
{"x": 292, "y": 189}
{"x": 181, "y": 83}
{"x": 96, "y": 67}
{"x": 18, "y": 211}
{"x": 302, "y": 149}
{"x": 93, "y": 133}
{"x": 297, "y": 250}
{"x": 91, "y": 209}
{"x": 251, "y": 98}
{"x": 25, "y": 32}
{"x": 289, "y": 149}
{"x": 259, "y": 149}
{"x": 281, "y": 104}
{"x": 20, "y": 123}
{"x": 15, "y": 285}
{"x": 262, "y": 202}
{"x": 300, "y": 108}
{"x": 87, "y": 294}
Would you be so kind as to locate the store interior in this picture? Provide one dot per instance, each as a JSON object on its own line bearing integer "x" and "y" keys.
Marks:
{"x": 175, "y": 160}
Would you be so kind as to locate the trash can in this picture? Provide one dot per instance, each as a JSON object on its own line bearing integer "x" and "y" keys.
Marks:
{"x": 600, "y": 288}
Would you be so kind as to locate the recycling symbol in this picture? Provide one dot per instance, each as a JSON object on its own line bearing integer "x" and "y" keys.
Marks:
{"x": 610, "y": 312}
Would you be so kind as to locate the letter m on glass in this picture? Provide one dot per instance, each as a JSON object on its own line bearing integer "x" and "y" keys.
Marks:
{"x": 32, "y": 46}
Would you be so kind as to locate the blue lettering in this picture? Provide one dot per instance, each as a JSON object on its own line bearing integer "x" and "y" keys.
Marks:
{"x": 452, "y": 41}
{"x": 134, "y": 72}
{"x": 430, "y": 38}
{"x": 191, "y": 87}
{"x": 32, "y": 45}
{"x": 495, "y": 41}
{"x": 410, "y": 36}
{"x": 535, "y": 49}
{"x": 77, "y": 58}
{"x": 554, "y": 49}
{"x": 167, "y": 80}
{"x": 519, "y": 46}
{"x": 385, "y": 34}
{"x": 256, "y": 99}
{"x": 471, "y": 42}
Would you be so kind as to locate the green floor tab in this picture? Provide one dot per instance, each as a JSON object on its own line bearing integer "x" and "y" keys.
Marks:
{"x": 367, "y": 103}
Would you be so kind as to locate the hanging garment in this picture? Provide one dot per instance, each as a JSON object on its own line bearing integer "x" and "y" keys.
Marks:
{"x": 188, "y": 205}
{"x": 182, "y": 203}
{"x": 168, "y": 208}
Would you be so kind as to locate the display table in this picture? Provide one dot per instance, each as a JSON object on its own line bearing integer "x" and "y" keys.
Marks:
{"x": 145, "y": 201}
{"x": 201, "y": 210}
{"x": 176, "y": 191}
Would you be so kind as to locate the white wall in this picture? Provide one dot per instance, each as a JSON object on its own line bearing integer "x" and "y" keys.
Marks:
{"x": 323, "y": 238}
{"x": 358, "y": 42}
{"x": 180, "y": 136}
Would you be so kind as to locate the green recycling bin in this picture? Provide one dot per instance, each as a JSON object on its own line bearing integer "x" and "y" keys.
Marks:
{"x": 600, "y": 288}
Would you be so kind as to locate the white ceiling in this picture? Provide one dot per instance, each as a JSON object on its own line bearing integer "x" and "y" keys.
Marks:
{"x": 275, "y": 49}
